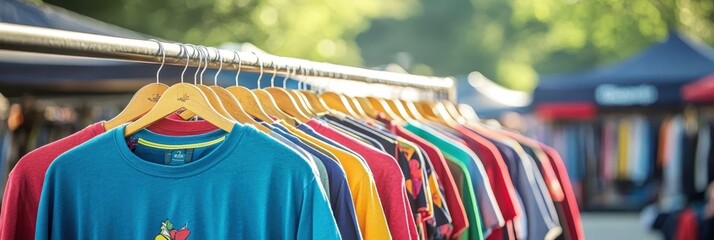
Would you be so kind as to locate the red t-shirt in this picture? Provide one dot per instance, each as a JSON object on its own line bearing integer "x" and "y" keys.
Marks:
{"x": 24, "y": 185}
{"x": 570, "y": 204}
{"x": 388, "y": 177}
{"x": 497, "y": 172}
{"x": 451, "y": 192}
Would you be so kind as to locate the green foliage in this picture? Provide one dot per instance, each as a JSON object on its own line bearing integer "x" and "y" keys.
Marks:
{"x": 321, "y": 30}
{"x": 511, "y": 41}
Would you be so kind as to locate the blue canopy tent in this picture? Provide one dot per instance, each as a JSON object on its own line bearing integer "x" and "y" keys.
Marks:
{"x": 38, "y": 74}
{"x": 651, "y": 78}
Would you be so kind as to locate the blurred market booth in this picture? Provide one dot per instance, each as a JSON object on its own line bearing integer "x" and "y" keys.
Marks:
{"x": 626, "y": 131}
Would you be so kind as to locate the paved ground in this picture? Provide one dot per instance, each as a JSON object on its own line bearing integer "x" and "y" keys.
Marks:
{"x": 614, "y": 226}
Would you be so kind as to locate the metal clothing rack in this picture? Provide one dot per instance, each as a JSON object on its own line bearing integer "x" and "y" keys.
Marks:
{"x": 44, "y": 40}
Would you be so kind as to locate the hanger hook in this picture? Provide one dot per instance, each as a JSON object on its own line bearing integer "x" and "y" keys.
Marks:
{"x": 220, "y": 60}
{"x": 197, "y": 52}
{"x": 163, "y": 58}
{"x": 240, "y": 63}
{"x": 208, "y": 55}
{"x": 285, "y": 79}
{"x": 260, "y": 63}
{"x": 185, "y": 50}
{"x": 312, "y": 72}
{"x": 202, "y": 58}
{"x": 275, "y": 72}
{"x": 302, "y": 72}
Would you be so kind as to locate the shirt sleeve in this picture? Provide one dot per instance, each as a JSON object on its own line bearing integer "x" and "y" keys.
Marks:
{"x": 316, "y": 221}
{"x": 344, "y": 212}
{"x": 373, "y": 224}
{"x": 13, "y": 217}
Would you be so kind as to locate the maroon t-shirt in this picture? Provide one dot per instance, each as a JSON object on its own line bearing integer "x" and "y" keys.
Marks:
{"x": 24, "y": 185}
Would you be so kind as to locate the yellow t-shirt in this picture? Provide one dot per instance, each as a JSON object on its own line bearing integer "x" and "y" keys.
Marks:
{"x": 623, "y": 147}
{"x": 370, "y": 214}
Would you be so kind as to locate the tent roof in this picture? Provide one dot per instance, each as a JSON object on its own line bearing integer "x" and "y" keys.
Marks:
{"x": 652, "y": 77}
{"x": 488, "y": 98}
{"x": 49, "y": 16}
{"x": 699, "y": 91}
{"x": 45, "y": 73}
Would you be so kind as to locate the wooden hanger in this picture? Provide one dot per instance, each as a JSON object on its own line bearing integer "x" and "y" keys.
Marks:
{"x": 285, "y": 101}
{"x": 453, "y": 111}
{"x": 337, "y": 102}
{"x": 235, "y": 109}
{"x": 357, "y": 107}
{"x": 267, "y": 101}
{"x": 210, "y": 95}
{"x": 313, "y": 100}
{"x": 177, "y": 97}
{"x": 181, "y": 96}
{"x": 231, "y": 104}
{"x": 367, "y": 107}
{"x": 412, "y": 110}
{"x": 426, "y": 109}
{"x": 246, "y": 98}
{"x": 302, "y": 101}
{"x": 397, "y": 108}
{"x": 444, "y": 115}
{"x": 383, "y": 107}
{"x": 143, "y": 100}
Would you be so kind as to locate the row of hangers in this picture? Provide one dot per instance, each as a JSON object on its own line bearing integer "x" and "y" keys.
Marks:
{"x": 223, "y": 107}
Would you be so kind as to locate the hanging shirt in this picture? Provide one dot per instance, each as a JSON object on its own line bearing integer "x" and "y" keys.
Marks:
{"x": 387, "y": 176}
{"x": 434, "y": 219}
{"x": 370, "y": 214}
{"x": 445, "y": 179}
{"x": 488, "y": 205}
{"x": 609, "y": 151}
{"x": 340, "y": 197}
{"x": 22, "y": 196}
{"x": 320, "y": 167}
{"x": 500, "y": 180}
{"x": 541, "y": 216}
{"x": 411, "y": 170}
{"x": 623, "y": 136}
{"x": 178, "y": 189}
{"x": 455, "y": 155}
{"x": 570, "y": 206}
{"x": 672, "y": 193}
{"x": 701, "y": 161}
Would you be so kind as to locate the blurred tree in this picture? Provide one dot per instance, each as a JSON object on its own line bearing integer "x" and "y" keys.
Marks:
{"x": 321, "y": 30}
{"x": 511, "y": 41}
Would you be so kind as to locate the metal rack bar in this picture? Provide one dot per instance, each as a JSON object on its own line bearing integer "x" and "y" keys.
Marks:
{"x": 43, "y": 40}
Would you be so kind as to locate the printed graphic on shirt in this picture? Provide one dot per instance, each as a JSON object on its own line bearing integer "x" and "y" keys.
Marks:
{"x": 416, "y": 179}
{"x": 169, "y": 233}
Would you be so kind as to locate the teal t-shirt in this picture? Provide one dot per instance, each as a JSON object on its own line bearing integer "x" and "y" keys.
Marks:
{"x": 237, "y": 185}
